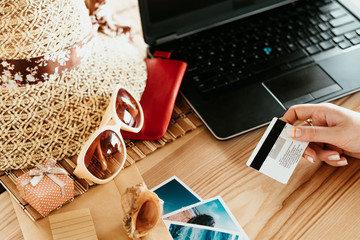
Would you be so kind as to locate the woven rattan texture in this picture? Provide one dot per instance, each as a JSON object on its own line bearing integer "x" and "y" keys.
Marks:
{"x": 55, "y": 118}
{"x": 33, "y": 28}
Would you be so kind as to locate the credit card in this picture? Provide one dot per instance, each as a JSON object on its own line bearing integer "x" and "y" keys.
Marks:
{"x": 277, "y": 155}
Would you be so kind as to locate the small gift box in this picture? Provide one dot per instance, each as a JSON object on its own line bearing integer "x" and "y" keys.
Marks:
{"x": 46, "y": 187}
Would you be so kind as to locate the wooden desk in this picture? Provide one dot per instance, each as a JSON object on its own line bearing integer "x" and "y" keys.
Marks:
{"x": 319, "y": 202}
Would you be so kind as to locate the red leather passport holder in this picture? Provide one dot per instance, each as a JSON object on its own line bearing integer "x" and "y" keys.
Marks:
{"x": 158, "y": 99}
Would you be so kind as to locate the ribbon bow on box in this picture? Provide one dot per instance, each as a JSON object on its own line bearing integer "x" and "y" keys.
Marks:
{"x": 49, "y": 169}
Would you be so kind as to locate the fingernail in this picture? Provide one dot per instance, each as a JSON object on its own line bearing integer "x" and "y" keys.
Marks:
{"x": 334, "y": 157}
{"x": 342, "y": 163}
{"x": 310, "y": 159}
{"x": 294, "y": 132}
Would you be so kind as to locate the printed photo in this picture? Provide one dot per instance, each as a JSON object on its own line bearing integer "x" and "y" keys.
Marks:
{"x": 175, "y": 194}
{"x": 184, "y": 231}
{"x": 211, "y": 213}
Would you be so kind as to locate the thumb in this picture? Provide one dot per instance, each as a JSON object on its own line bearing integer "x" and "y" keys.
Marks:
{"x": 314, "y": 134}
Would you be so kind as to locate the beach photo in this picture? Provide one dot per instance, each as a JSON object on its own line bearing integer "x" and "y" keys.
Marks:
{"x": 175, "y": 194}
{"x": 211, "y": 213}
{"x": 184, "y": 231}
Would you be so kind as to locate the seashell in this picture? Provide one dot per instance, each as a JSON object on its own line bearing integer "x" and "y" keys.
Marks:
{"x": 143, "y": 209}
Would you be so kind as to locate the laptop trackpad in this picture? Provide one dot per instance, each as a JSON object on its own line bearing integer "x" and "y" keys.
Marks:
{"x": 302, "y": 86}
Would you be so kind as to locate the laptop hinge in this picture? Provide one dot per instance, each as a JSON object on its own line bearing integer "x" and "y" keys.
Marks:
{"x": 166, "y": 38}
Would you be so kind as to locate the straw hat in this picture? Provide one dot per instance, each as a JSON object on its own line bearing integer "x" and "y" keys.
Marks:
{"x": 56, "y": 78}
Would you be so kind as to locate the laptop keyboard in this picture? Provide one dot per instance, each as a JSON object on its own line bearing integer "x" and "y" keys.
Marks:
{"x": 254, "y": 49}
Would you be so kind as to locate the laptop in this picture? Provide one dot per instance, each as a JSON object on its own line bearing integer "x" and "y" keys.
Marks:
{"x": 250, "y": 60}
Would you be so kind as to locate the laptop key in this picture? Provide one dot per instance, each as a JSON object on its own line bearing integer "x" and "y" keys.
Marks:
{"x": 314, "y": 21}
{"x": 304, "y": 43}
{"x": 324, "y": 27}
{"x": 313, "y": 50}
{"x": 329, "y": 7}
{"x": 241, "y": 72}
{"x": 337, "y": 13}
{"x": 314, "y": 39}
{"x": 344, "y": 44}
{"x": 324, "y": 17}
{"x": 325, "y": 36}
{"x": 350, "y": 35}
{"x": 345, "y": 28}
{"x": 341, "y": 21}
{"x": 192, "y": 69}
{"x": 338, "y": 39}
{"x": 292, "y": 47}
{"x": 355, "y": 41}
{"x": 195, "y": 79}
{"x": 301, "y": 34}
{"x": 326, "y": 45}
{"x": 312, "y": 30}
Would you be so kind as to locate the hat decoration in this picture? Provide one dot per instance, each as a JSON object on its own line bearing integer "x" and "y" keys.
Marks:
{"x": 16, "y": 72}
{"x": 57, "y": 73}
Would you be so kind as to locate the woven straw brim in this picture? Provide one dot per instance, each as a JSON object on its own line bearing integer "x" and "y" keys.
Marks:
{"x": 55, "y": 118}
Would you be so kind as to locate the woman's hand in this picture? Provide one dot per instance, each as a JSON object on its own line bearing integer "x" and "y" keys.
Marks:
{"x": 334, "y": 134}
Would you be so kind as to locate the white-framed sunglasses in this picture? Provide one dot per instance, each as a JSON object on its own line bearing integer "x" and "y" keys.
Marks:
{"x": 104, "y": 153}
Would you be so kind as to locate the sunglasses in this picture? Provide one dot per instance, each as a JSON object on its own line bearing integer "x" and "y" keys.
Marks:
{"x": 104, "y": 154}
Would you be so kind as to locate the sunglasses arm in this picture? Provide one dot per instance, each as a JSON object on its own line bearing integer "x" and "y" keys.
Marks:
{"x": 107, "y": 117}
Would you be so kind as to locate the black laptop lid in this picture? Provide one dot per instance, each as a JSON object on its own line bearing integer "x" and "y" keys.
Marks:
{"x": 163, "y": 20}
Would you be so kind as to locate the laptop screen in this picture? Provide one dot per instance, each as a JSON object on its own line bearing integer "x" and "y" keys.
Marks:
{"x": 176, "y": 18}
{"x": 160, "y": 10}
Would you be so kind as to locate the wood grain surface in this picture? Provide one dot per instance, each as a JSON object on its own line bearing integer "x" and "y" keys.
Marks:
{"x": 9, "y": 224}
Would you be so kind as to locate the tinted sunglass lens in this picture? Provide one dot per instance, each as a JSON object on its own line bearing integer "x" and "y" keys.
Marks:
{"x": 127, "y": 108}
{"x": 105, "y": 155}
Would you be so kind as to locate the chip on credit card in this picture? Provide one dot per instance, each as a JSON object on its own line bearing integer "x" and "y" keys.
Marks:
{"x": 277, "y": 154}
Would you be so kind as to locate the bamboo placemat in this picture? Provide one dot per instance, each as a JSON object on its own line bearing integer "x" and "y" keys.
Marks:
{"x": 183, "y": 120}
